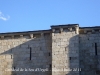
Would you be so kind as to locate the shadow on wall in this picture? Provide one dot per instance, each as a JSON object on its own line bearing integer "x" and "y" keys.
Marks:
{"x": 32, "y": 57}
{"x": 65, "y": 56}
{"x": 72, "y": 52}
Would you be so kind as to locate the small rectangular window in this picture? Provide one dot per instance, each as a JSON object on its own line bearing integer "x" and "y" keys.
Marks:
{"x": 11, "y": 56}
{"x": 30, "y": 52}
{"x": 14, "y": 67}
{"x": 69, "y": 58}
{"x": 49, "y": 53}
{"x": 98, "y": 72}
{"x": 95, "y": 48}
{"x": 50, "y": 65}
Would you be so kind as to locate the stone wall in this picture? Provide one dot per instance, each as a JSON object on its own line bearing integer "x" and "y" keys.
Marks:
{"x": 90, "y": 51}
{"x": 65, "y": 50}
{"x": 61, "y": 50}
{"x": 25, "y": 52}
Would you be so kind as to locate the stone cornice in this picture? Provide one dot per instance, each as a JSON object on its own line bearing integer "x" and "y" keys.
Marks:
{"x": 90, "y": 30}
{"x": 54, "y": 29}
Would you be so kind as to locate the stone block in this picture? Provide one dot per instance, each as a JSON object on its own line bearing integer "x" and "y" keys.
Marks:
{"x": 8, "y": 56}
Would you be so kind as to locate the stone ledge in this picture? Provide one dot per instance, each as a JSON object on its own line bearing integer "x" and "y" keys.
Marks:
{"x": 30, "y": 34}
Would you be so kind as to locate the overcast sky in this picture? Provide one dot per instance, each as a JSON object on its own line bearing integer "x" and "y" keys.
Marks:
{"x": 30, "y": 15}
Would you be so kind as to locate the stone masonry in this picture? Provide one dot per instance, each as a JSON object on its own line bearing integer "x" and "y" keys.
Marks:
{"x": 61, "y": 50}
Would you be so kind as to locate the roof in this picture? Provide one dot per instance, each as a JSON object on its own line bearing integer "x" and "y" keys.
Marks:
{"x": 64, "y": 25}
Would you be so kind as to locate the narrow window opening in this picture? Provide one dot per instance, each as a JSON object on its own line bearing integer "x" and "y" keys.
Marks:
{"x": 69, "y": 58}
{"x": 97, "y": 72}
{"x": 50, "y": 65}
{"x": 95, "y": 48}
{"x": 11, "y": 56}
{"x": 88, "y": 38}
{"x": 30, "y": 52}
{"x": 49, "y": 53}
{"x": 65, "y": 48}
{"x": 14, "y": 67}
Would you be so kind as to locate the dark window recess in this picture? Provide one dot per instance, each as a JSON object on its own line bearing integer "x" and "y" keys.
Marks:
{"x": 97, "y": 72}
{"x": 79, "y": 41}
{"x": 49, "y": 53}
{"x": 88, "y": 38}
{"x": 11, "y": 56}
{"x": 50, "y": 65}
{"x": 14, "y": 67}
{"x": 65, "y": 48}
{"x": 95, "y": 48}
{"x": 30, "y": 52}
{"x": 69, "y": 58}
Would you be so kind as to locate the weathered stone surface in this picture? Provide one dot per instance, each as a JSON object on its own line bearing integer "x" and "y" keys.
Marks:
{"x": 63, "y": 50}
